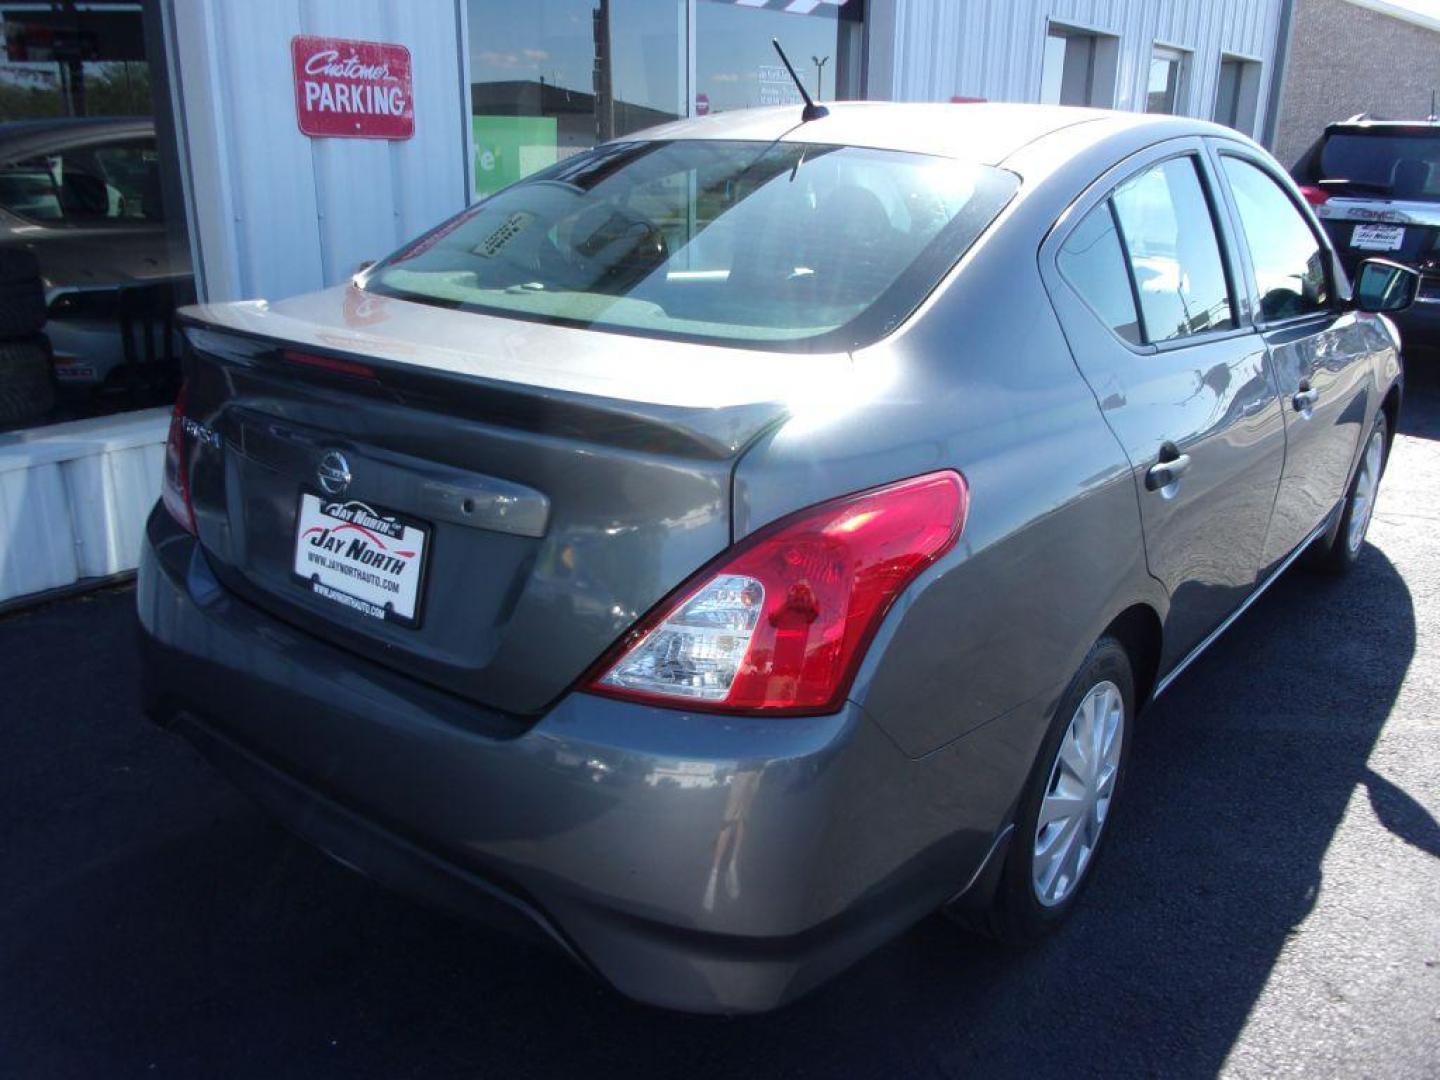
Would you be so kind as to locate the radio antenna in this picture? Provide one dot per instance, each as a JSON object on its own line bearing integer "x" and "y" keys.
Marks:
{"x": 811, "y": 111}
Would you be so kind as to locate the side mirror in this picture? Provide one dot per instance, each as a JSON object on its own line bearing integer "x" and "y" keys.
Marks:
{"x": 1385, "y": 286}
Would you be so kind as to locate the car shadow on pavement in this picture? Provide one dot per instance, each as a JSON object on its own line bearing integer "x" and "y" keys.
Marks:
{"x": 155, "y": 922}
{"x": 1402, "y": 815}
{"x": 1420, "y": 414}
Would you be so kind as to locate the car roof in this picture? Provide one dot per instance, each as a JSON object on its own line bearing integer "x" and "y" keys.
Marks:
{"x": 1377, "y": 123}
{"x": 21, "y": 137}
{"x": 983, "y": 132}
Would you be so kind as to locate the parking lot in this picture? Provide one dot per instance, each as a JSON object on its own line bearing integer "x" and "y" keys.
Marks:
{"x": 1268, "y": 905}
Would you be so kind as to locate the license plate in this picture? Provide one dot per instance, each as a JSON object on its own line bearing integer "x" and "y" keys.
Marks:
{"x": 368, "y": 559}
{"x": 1378, "y": 237}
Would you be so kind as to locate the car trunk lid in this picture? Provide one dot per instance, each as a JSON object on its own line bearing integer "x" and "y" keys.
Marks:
{"x": 551, "y": 483}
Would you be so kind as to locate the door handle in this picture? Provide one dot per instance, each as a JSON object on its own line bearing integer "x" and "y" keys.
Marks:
{"x": 1305, "y": 398}
{"x": 1168, "y": 470}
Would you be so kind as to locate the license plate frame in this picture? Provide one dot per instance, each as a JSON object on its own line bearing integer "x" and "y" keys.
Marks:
{"x": 1377, "y": 236}
{"x": 388, "y": 536}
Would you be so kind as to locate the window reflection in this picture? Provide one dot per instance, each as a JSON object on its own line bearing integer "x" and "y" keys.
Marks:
{"x": 736, "y": 66}
{"x": 93, "y": 252}
{"x": 1289, "y": 263}
{"x": 1174, "y": 254}
{"x": 1167, "y": 69}
{"x": 1093, "y": 263}
{"x": 550, "y": 78}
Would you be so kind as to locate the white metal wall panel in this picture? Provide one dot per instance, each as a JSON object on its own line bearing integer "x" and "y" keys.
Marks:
{"x": 276, "y": 212}
{"x": 37, "y": 545}
{"x": 74, "y": 498}
{"x": 111, "y": 494}
{"x": 931, "y": 50}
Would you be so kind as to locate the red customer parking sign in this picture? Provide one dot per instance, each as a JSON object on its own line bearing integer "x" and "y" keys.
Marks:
{"x": 352, "y": 89}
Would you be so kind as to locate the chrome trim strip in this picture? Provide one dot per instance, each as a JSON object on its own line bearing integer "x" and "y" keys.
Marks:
{"x": 1193, "y": 654}
{"x": 1379, "y": 210}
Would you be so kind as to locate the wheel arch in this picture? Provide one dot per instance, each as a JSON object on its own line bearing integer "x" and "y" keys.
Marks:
{"x": 1140, "y": 632}
{"x": 1390, "y": 406}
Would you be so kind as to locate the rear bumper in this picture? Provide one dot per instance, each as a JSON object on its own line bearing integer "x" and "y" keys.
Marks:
{"x": 705, "y": 863}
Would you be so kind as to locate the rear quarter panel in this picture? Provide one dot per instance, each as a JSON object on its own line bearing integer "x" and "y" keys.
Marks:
{"x": 980, "y": 381}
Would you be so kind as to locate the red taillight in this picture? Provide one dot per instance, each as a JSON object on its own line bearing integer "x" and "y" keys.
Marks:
{"x": 779, "y": 624}
{"x": 332, "y": 364}
{"x": 175, "y": 490}
{"x": 1315, "y": 196}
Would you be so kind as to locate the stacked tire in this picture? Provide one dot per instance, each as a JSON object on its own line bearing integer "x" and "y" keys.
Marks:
{"x": 27, "y": 384}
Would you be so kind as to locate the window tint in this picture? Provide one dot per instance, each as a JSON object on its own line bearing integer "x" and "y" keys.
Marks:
{"x": 89, "y": 185}
{"x": 1404, "y": 166}
{"x": 748, "y": 242}
{"x": 1094, "y": 264}
{"x": 1289, "y": 262}
{"x": 31, "y": 188}
{"x": 133, "y": 169}
{"x": 1169, "y": 236}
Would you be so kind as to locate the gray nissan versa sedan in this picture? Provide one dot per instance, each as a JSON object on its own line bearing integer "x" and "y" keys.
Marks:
{"x": 730, "y": 544}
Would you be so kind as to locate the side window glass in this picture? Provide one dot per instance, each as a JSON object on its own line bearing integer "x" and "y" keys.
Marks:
{"x": 31, "y": 188}
{"x": 85, "y": 197}
{"x": 1169, "y": 237}
{"x": 115, "y": 182}
{"x": 1289, "y": 261}
{"x": 132, "y": 170}
{"x": 1093, "y": 263}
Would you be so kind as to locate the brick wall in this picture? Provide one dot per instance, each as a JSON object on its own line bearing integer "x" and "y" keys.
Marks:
{"x": 1345, "y": 60}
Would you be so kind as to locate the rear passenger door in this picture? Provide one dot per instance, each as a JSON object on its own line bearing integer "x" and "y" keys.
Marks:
{"x": 1144, "y": 285}
{"x": 1319, "y": 351}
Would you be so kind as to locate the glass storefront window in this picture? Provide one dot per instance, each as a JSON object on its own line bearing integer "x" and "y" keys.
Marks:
{"x": 549, "y": 78}
{"x": 736, "y": 66}
{"x": 94, "y": 257}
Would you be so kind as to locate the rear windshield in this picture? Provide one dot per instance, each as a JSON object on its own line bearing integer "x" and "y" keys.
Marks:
{"x": 781, "y": 245}
{"x": 1397, "y": 166}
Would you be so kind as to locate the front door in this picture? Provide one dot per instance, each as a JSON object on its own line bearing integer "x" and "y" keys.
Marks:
{"x": 1318, "y": 351}
{"x": 1144, "y": 291}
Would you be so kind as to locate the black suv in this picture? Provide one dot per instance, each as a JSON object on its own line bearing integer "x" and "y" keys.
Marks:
{"x": 1376, "y": 186}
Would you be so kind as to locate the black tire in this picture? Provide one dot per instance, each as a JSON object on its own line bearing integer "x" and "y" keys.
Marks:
{"x": 27, "y": 387}
{"x": 1332, "y": 553}
{"x": 22, "y": 294}
{"x": 1017, "y": 915}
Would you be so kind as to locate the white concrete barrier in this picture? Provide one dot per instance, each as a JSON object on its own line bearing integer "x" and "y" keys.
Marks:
{"x": 74, "y": 498}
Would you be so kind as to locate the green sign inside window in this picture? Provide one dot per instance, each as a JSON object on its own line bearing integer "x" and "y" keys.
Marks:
{"x": 508, "y": 148}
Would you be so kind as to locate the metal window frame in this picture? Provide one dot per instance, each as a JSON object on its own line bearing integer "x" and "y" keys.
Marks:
{"x": 1185, "y": 59}
{"x": 1068, "y": 29}
{"x": 1103, "y": 188}
{"x": 1225, "y": 56}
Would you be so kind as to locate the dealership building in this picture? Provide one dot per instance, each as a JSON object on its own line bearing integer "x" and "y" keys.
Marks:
{"x": 273, "y": 146}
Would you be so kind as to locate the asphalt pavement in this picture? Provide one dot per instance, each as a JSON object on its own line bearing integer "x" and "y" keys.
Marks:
{"x": 1269, "y": 906}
